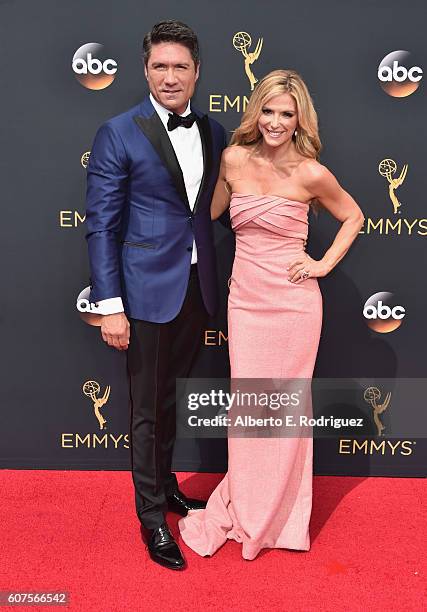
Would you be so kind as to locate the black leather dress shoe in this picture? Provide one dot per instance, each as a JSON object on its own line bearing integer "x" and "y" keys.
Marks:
{"x": 162, "y": 547}
{"x": 181, "y": 504}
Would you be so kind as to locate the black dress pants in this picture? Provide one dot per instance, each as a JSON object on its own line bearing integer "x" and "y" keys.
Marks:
{"x": 159, "y": 353}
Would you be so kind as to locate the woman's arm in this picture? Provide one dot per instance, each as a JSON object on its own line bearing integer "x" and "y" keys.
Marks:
{"x": 325, "y": 188}
{"x": 221, "y": 195}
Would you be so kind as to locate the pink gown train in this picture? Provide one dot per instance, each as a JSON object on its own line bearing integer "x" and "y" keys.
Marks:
{"x": 265, "y": 499}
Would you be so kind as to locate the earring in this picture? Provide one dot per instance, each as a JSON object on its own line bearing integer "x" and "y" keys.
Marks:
{"x": 295, "y": 133}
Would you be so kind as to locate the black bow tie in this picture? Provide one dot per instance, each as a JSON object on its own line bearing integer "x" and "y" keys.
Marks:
{"x": 175, "y": 121}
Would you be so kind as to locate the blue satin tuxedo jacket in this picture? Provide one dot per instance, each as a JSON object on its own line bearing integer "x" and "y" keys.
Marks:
{"x": 140, "y": 227}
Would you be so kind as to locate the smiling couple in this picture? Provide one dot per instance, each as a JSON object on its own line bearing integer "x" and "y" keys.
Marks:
{"x": 158, "y": 175}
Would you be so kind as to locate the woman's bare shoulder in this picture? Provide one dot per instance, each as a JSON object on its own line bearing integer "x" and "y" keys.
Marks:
{"x": 312, "y": 171}
{"x": 235, "y": 155}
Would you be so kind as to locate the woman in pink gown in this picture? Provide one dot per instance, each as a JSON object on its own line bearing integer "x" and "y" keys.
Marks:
{"x": 269, "y": 177}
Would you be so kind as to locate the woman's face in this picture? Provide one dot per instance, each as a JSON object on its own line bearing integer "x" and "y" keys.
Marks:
{"x": 278, "y": 120}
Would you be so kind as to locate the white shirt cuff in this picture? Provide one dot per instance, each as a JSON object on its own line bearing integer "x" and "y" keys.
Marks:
{"x": 109, "y": 306}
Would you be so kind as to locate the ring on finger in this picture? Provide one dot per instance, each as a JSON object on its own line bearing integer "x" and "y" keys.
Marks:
{"x": 304, "y": 274}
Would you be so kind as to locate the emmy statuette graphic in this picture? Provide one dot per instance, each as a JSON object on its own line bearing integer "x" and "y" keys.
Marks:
{"x": 388, "y": 167}
{"x": 241, "y": 42}
{"x": 372, "y": 395}
{"x": 91, "y": 388}
{"x": 84, "y": 160}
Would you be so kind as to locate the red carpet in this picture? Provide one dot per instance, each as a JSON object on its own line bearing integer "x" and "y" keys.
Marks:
{"x": 77, "y": 531}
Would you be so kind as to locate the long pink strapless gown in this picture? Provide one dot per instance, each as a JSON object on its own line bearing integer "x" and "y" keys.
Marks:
{"x": 265, "y": 499}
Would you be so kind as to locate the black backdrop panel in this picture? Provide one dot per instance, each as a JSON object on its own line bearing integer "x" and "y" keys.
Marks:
{"x": 49, "y": 121}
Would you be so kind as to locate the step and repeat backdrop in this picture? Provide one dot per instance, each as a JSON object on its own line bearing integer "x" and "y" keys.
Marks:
{"x": 64, "y": 394}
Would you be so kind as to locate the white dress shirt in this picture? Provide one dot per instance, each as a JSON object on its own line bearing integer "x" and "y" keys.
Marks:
{"x": 188, "y": 149}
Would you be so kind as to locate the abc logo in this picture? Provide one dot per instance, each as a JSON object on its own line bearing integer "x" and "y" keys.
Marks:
{"x": 397, "y": 74}
{"x": 91, "y": 67}
{"x": 381, "y": 313}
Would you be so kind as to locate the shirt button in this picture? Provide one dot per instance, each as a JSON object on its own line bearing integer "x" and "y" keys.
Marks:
{"x": 189, "y": 248}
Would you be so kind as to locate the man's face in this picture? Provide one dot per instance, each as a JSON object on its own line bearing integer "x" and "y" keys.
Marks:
{"x": 171, "y": 75}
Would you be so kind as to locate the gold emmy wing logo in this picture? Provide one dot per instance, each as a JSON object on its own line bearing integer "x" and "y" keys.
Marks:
{"x": 387, "y": 168}
{"x": 91, "y": 388}
{"x": 241, "y": 42}
{"x": 84, "y": 160}
{"x": 371, "y": 396}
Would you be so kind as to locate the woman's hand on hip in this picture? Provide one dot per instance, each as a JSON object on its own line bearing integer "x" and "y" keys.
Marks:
{"x": 304, "y": 267}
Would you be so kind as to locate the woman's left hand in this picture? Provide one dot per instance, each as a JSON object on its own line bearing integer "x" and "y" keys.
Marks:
{"x": 304, "y": 267}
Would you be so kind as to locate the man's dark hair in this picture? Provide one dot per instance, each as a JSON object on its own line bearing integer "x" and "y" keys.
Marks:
{"x": 171, "y": 31}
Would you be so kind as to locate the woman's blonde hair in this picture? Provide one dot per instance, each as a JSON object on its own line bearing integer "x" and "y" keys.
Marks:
{"x": 276, "y": 83}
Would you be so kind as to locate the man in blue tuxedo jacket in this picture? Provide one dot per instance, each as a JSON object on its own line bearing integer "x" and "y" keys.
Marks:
{"x": 151, "y": 176}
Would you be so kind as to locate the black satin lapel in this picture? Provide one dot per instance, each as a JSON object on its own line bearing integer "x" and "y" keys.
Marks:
{"x": 206, "y": 138}
{"x": 154, "y": 130}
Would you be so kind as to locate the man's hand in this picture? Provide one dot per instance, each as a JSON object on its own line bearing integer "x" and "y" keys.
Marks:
{"x": 115, "y": 330}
